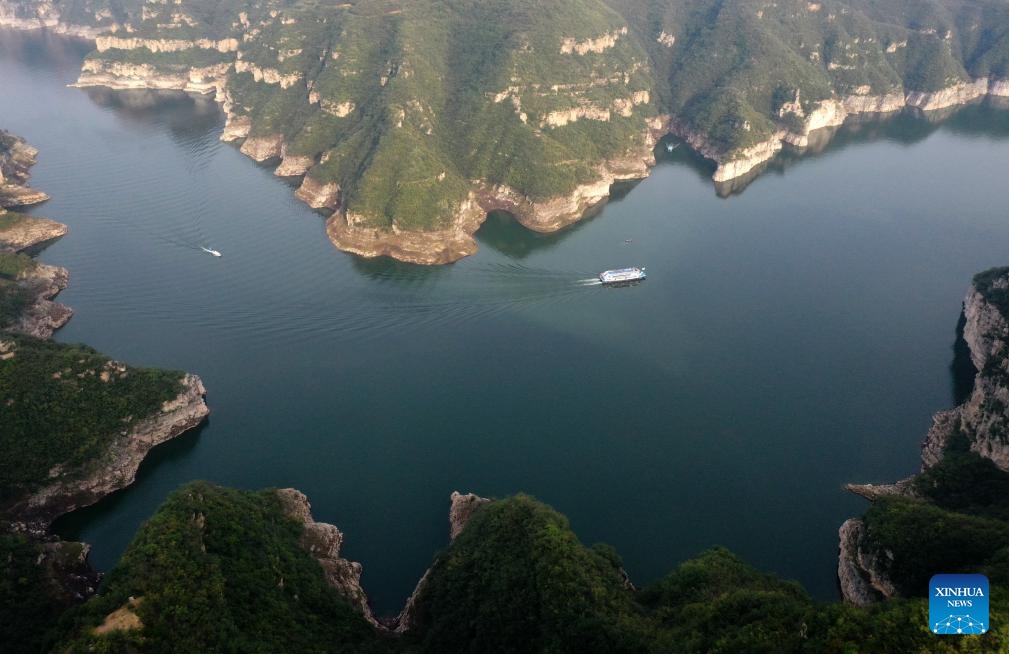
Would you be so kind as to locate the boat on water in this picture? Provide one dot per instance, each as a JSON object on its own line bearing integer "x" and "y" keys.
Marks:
{"x": 209, "y": 251}
{"x": 622, "y": 275}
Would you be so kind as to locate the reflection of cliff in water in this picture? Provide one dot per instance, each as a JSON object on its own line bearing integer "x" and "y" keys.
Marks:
{"x": 45, "y": 52}
{"x": 187, "y": 117}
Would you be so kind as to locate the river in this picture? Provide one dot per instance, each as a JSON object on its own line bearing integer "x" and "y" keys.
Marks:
{"x": 788, "y": 339}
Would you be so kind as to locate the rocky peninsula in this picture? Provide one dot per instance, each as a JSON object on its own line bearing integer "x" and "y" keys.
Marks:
{"x": 408, "y": 154}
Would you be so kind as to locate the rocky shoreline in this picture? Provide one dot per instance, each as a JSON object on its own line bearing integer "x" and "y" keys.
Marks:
{"x": 69, "y": 489}
{"x": 208, "y": 61}
{"x": 29, "y": 232}
{"x": 982, "y": 420}
{"x": 345, "y": 228}
{"x": 43, "y": 316}
{"x": 117, "y": 468}
{"x": 348, "y": 232}
{"x": 830, "y": 114}
{"x": 733, "y": 170}
{"x": 16, "y": 159}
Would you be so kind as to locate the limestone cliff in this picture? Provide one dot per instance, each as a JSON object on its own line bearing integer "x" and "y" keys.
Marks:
{"x": 816, "y": 125}
{"x": 983, "y": 421}
{"x": 323, "y": 542}
{"x": 16, "y": 159}
{"x": 19, "y": 233}
{"x": 41, "y": 317}
{"x": 857, "y": 569}
{"x": 66, "y": 486}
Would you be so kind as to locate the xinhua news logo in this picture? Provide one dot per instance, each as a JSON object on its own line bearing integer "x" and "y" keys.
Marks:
{"x": 958, "y": 604}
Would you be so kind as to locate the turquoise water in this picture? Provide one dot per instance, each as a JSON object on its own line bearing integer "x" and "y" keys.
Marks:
{"x": 788, "y": 339}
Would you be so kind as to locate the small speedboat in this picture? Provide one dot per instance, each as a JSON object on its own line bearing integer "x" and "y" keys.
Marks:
{"x": 621, "y": 275}
{"x": 209, "y": 251}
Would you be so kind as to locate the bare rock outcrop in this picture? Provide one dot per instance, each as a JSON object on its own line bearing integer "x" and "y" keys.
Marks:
{"x": 858, "y": 570}
{"x": 16, "y": 160}
{"x": 319, "y": 195}
{"x": 833, "y": 112}
{"x": 41, "y": 317}
{"x": 983, "y": 420}
{"x": 350, "y": 233}
{"x": 263, "y": 148}
{"x": 28, "y": 232}
{"x": 462, "y": 509}
{"x": 323, "y": 542}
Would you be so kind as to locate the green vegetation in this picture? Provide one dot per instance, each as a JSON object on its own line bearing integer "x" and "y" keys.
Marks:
{"x": 15, "y": 294}
{"x": 404, "y": 105}
{"x": 10, "y": 219}
{"x": 517, "y": 579}
{"x": 63, "y": 405}
{"x": 220, "y": 570}
{"x": 29, "y": 604}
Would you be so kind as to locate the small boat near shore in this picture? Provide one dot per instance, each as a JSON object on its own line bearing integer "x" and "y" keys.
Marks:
{"x": 622, "y": 275}
{"x": 210, "y": 252}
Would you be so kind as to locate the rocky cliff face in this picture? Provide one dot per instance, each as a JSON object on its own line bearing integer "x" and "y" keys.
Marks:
{"x": 126, "y": 75}
{"x": 349, "y": 233}
{"x": 72, "y": 489}
{"x": 16, "y": 160}
{"x": 983, "y": 420}
{"x": 323, "y": 542}
{"x": 831, "y": 113}
{"x": 857, "y": 570}
{"x": 29, "y": 232}
{"x": 42, "y": 316}
{"x": 33, "y": 15}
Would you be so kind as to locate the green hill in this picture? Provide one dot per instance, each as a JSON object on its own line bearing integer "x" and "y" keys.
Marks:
{"x": 418, "y": 114}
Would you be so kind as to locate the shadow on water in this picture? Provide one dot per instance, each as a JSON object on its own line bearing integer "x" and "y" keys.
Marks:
{"x": 962, "y": 370}
{"x": 387, "y": 269}
{"x": 186, "y": 116}
{"x": 178, "y": 449}
{"x": 43, "y": 51}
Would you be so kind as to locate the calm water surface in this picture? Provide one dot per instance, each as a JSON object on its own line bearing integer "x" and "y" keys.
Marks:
{"x": 788, "y": 339}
